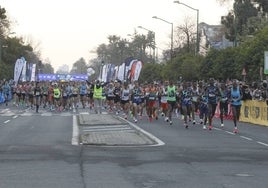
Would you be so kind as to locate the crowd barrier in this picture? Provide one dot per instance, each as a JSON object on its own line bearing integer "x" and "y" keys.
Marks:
{"x": 252, "y": 111}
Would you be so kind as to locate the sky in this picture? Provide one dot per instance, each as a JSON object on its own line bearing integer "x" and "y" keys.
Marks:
{"x": 67, "y": 30}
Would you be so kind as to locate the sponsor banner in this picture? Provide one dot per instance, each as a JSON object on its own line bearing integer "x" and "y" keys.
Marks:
{"x": 23, "y": 73}
{"x": 254, "y": 111}
{"x": 18, "y": 69}
{"x": 62, "y": 77}
{"x": 33, "y": 72}
{"x": 266, "y": 62}
{"x": 121, "y": 72}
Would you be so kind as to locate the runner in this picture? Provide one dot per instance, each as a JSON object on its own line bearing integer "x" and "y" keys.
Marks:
{"x": 75, "y": 93}
{"x": 212, "y": 92}
{"x": 97, "y": 96}
{"x": 151, "y": 102}
{"x": 45, "y": 88}
{"x": 163, "y": 100}
{"x": 6, "y": 89}
{"x": 186, "y": 104}
{"x": 110, "y": 96}
{"x": 37, "y": 96}
{"x": 235, "y": 99}
{"x": 117, "y": 97}
{"x": 223, "y": 101}
{"x": 90, "y": 90}
{"x": 83, "y": 92}
{"x": 195, "y": 95}
{"x": 51, "y": 96}
{"x": 136, "y": 101}
{"x": 203, "y": 111}
{"x": 125, "y": 97}
{"x": 171, "y": 100}
{"x": 57, "y": 97}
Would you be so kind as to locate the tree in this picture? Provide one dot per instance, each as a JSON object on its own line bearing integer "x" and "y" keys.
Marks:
{"x": 186, "y": 36}
{"x": 79, "y": 67}
{"x": 245, "y": 19}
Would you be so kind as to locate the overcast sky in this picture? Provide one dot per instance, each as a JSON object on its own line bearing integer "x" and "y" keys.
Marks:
{"x": 70, "y": 29}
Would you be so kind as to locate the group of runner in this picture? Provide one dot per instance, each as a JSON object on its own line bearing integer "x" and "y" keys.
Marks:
{"x": 189, "y": 99}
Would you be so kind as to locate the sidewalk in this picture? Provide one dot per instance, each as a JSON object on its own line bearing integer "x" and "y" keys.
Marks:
{"x": 110, "y": 130}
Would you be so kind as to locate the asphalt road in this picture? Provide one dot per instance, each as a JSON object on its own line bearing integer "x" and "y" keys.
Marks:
{"x": 36, "y": 151}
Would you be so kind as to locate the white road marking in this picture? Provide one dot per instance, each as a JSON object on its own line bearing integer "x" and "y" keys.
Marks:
{"x": 27, "y": 114}
{"x": 46, "y": 114}
{"x": 157, "y": 140}
{"x": 263, "y": 143}
{"x": 75, "y": 137}
{"x": 217, "y": 129}
{"x": 230, "y": 132}
{"x": 111, "y": 129}
{"x": 14, "y": 117}
{"x": 246, "y": 138}
{"x": 7, "y": 121}
{"x": 109, "y": 126}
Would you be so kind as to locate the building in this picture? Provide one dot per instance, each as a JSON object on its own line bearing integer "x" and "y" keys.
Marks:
{"x": 212, "y": 36}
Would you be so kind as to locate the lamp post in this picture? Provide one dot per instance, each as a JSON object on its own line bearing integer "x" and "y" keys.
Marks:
{"x": 171, "y": 43}
{"x": 197, "y": 23}
{"x": 154, "y": 45}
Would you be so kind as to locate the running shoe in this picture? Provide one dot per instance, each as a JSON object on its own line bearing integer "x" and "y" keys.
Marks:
{"x": 170, "y": 122}
{"x": 210, "y": 127}
{"x": 186, "y": 125}
{"x": 135, "y": 120}
{"x": 194, "y": 122}
{"x": 235, "y": 130}
{"x": 166, "y": 119}
{"x": 204, "y": 127}
{"x": 222, "y": 125}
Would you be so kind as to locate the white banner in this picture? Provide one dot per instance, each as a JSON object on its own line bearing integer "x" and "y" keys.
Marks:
{"x": 18, "y": 69}
{"x": 137, "y": 70}
{"x": 266, "y": 62}
{"x": 33, "y": 72}
{"x": 23, "y": 73}
{"x": 121, "y": 71}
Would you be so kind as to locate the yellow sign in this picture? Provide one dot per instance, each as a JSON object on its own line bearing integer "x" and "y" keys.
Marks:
{"x": 253, "y": 111}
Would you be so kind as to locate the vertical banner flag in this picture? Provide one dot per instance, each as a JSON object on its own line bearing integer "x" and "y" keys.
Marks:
{"x": 23, "y": 73}
{"x": 33, "y": 73}
{"x": 137, "y": 71}
{"x": 128, "y": 64}
{"x": 116, "y": 69}
{"x": 266, "y": 62}
{"x": 121, "y": 72}
{"x": 29, "y": 67}
{"x": 18, "y": 69}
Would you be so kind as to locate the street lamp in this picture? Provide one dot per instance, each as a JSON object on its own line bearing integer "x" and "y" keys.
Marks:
{"x": 197, "y": 31}
{"x": 171, "y": 43}
{"x": 154, "y": 45}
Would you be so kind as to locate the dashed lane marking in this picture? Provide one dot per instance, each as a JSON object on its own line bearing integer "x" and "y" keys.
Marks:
{"x": 247, "y": 138}
{"x": 7, "y": 121}
{"x": 230, "y": 132}
{"x": 157, "y": 140}
{"x": 111, "y": 129}
{"x": 75, "y": 136}
{"x": 264, "y": 144}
